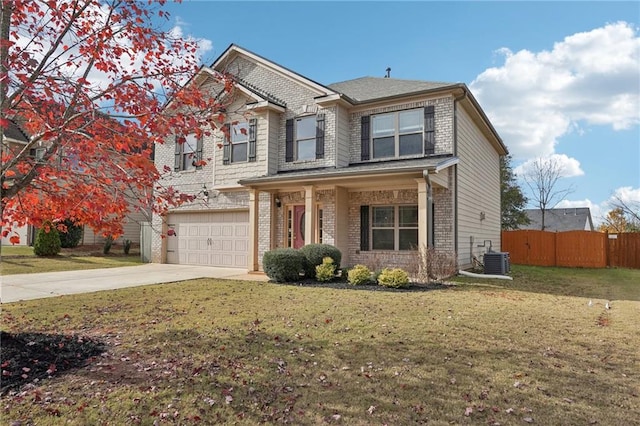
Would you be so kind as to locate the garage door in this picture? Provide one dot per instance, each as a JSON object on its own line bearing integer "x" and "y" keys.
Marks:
{"x": 209, "y": 239}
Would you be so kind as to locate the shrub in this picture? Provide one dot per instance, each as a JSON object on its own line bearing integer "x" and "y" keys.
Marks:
{"x": 326, "y": 271}
{"x": 284, "y": 265}
{"x": 314, "y": 253}
{"x": 107, "y": 245}
{"x": 47, "y": 241}
{"x": 394, "y": 278}
{"x": 72, "y": 237}
{"x": 359, "y": 275}
{"x": 126, "y": 246}
{"x": 430, "y": 264}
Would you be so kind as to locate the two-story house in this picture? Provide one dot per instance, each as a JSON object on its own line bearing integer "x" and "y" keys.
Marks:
{"x": 374, "y": 166}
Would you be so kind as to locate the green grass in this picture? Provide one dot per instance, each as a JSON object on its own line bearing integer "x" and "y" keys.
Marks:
{"x": 230, "y": 352}
{"x": 21, "y": 260}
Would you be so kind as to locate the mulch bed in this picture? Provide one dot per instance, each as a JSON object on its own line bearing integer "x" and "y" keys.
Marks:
{"x": 31, "y": 357}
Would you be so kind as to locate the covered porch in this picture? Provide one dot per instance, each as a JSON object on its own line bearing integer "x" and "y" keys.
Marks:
{"x": 324, "y": 206}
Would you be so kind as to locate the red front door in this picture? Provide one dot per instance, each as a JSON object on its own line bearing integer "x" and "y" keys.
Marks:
{"x": 298, "y": 226}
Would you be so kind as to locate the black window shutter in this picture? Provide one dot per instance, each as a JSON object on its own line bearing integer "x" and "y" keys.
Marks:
{"x": 429, "y": 130}
{"x": 177, "y": 165}
{"x": 289, "y": 141}
{"x": 364, "y": 228}
{"x": 226, "y": 145}
{"x": 320, "y": 136}
{"x": 364, "y": 138}
{"x": 253, "y": 123}
{"x": 199, "y": 153}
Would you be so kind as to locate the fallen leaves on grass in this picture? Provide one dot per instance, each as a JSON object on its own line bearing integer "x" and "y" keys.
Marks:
{"x": 28, "y": 357}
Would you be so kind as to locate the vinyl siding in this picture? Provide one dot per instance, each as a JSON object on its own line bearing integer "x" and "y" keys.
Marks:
{"x": 342, "y": 137}
{"x": 478, "y": 190}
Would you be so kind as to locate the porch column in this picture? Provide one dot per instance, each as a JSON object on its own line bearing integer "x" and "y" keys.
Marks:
{"x": 424, "y": 212}
{"x": 254, "y": 203}
{"x": 310, "y": 220}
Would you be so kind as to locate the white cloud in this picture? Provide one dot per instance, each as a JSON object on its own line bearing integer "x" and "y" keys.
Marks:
{"x": 567, "y": 166}
{"x": 589, "y": 78}
{"x": 628, "y": 194}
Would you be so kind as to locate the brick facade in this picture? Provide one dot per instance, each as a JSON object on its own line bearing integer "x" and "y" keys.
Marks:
{"x": 342, "y": 147}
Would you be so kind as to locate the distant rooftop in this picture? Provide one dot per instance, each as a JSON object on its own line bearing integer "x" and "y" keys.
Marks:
{"x": 558, "y": 220}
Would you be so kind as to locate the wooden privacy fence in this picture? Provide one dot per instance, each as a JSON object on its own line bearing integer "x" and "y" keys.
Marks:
{"x": 585, "y": 249}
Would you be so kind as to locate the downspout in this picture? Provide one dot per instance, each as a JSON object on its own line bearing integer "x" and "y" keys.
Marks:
{"x": 427, "y": 179}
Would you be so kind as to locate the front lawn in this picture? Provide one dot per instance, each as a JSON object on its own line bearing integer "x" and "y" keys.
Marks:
{"x": 21, "y": 260}
{"x": 220, "y": 352}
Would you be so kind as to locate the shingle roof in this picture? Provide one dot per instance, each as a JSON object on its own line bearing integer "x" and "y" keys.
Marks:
{"x": 558, "y": 220}
{"x": 370, "y": 88}
{"x": 358, "y": 170}
{"x": 15, "y": 132}
{"x": 268, "y": 96}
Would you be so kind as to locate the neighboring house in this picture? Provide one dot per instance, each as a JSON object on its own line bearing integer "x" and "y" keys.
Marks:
{"x": 373, "y": 166}
{"x": 15, "y": 139}
{"x": 558, "y": 220}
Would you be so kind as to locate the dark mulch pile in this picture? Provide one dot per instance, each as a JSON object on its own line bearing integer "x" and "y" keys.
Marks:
{"x": 28, "y": 357}
{"x": 344, "y": 285}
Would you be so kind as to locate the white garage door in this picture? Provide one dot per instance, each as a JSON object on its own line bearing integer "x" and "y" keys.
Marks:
{"x": 209, "y": 239}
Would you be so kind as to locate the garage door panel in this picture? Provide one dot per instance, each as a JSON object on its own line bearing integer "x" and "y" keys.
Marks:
{"x": 209, "y": 239}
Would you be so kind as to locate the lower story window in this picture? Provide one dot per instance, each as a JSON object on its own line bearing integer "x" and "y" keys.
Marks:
{"x": 394, "y": 227}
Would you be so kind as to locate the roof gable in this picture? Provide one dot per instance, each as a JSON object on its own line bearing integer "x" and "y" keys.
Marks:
{"x": 15, "y": 132}
{"x": 221, "y": 63}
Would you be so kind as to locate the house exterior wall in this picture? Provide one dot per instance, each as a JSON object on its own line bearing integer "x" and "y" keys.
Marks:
{"x": 478, "y": 192}
{"x": 443, "y": 131}
{"x": 343, "y": 143}
{"x": 299, "y": 102}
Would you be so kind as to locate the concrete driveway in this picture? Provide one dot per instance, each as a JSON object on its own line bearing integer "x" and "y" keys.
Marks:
{"x": 49, "y": 284}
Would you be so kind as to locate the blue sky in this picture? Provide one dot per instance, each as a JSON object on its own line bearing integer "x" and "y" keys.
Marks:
{"x": 557, "y": 79}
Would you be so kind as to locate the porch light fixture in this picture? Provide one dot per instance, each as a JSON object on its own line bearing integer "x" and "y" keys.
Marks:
{"x": 205, "y": 191}
{"x": 482, "y": 216}
{"x": 278, "y": 202}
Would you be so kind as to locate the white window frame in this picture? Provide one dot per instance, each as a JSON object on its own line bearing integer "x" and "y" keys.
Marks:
{"x": 188, "y": 152}
{"x": 306, "y": 139}
{"x": 237, "y": 138}
{"x": 397, "y": 133}
{"x": 396, "y": 227}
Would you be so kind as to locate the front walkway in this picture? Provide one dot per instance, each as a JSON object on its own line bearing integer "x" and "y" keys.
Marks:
{"x": 49, "y": 284}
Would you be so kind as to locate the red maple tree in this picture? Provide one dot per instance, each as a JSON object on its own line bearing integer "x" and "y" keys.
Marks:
{"x": 94, "y": 84}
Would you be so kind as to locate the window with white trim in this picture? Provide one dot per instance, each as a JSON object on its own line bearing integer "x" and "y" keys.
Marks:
{"x": 394, "y": 227}
{"x": 188, "y": 153}
{"x": 239, "y": 139}
{"x": 305, "y": 143}
{"x": 397, "y": 134}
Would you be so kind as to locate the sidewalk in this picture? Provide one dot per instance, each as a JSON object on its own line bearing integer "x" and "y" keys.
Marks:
{"x": 49, "y": 284}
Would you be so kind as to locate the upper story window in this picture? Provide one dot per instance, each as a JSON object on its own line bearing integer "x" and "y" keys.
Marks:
{"x": 188, "y": 153}
{"x": 305, "y": 145}
{"x": 398, "y": 134}
{"x": 240, "y": 142}
{"x": 305, "y": 138}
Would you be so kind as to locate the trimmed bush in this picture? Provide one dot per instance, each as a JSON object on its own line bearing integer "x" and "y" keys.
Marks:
{"x": 108, "y": 242}
{"x": 71, "y": 238}
{"x": 47, "y": 241}
{"x": 284, "y": 265}
{"x": 314, "y": 253}
{"x": 359, "y": 275}
{"x": 394, "y": 278}
{"x": 126, "y": 246}
{"x": 326, "y": 271}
